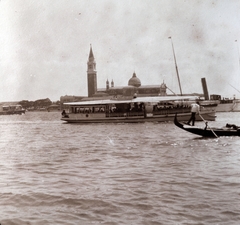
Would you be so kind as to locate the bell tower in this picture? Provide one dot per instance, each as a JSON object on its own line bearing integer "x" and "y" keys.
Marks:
{"x": 107, "y": 85}
{"x": 91, "y": 74}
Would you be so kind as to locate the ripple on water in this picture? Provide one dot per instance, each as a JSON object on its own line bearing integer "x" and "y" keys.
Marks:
{"x": 152, "y": 173}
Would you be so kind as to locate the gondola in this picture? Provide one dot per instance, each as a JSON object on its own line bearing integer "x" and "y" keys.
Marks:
{"x": 228, "y": 130}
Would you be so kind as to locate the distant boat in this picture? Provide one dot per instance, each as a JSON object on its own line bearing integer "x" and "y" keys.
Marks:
{"x": 226, "y": 104}
{"x": 232, "y": 105}
{"x": 228, "y": 130}
{"x": 11, "y": 109}
{"x": 140, "y": 109}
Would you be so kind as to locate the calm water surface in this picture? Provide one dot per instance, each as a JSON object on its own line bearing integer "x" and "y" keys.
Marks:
{"x": 150, "y": 173}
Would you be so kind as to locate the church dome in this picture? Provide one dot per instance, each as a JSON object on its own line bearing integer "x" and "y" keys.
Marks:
{"x": 134, "y": 81}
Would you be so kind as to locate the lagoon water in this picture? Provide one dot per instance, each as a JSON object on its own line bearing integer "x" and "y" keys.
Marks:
{"x": 52, "y": 172}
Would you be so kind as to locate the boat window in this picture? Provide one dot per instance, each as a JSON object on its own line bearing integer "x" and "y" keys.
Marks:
{"x": 81, "y": 110}
{"x": 96, "y": 109}
{"x": 99, "y": 109}
{"x": 113, "y": 109}
{"x": 77, "y": 110}
{"x": 87, "y": 110}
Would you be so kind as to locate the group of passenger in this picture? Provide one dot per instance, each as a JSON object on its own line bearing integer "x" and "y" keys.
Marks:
{"x": 136, "y": 107}
{"x": 88, "y": 110}
{"x": 131, "y": 107}
{"x": 165, "y": 106}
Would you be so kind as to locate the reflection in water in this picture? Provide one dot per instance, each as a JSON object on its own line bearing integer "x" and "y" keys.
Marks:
{"x": 147, "y": 173}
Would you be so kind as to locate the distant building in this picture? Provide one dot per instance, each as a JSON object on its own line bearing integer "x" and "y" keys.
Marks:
{"x": 134, "y": 85}
{"x": 91, "y": 74}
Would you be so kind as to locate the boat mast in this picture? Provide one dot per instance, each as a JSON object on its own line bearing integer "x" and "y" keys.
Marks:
{"x": 176, "y": 66}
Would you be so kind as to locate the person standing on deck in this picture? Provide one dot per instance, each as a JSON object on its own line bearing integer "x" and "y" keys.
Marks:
{"x": 195, "y": 108}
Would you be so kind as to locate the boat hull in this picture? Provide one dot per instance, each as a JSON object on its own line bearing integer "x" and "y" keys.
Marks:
{"x": 19, "y": 112}
{"x": 207, "y": 131}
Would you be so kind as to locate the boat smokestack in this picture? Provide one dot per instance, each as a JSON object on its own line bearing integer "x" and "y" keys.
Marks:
{"x": 205, "y": 89}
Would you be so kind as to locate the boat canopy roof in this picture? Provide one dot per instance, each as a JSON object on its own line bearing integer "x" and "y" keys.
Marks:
{"x": 138, "y": 99}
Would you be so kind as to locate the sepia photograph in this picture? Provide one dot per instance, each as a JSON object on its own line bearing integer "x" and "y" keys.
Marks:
{"x": 120, "y": 112}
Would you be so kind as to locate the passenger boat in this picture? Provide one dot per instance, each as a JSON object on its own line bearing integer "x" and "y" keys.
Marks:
{"x": 11, "y": 109}
{"x": 226, "y": 104}
{"x": 139, "y": 109}
{"x": 228, "y": 130}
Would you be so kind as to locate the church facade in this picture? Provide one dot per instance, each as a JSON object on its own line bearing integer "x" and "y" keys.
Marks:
{"x": 133, "y": 88}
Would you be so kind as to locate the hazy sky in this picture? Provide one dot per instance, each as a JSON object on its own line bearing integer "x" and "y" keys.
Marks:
{"x": 44, "y": 45}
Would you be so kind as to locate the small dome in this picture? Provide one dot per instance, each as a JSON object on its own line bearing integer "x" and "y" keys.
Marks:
{"x": 134, "y": 81}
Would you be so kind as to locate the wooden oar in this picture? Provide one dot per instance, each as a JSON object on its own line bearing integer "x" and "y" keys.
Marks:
{"x": 208, "y": 126}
